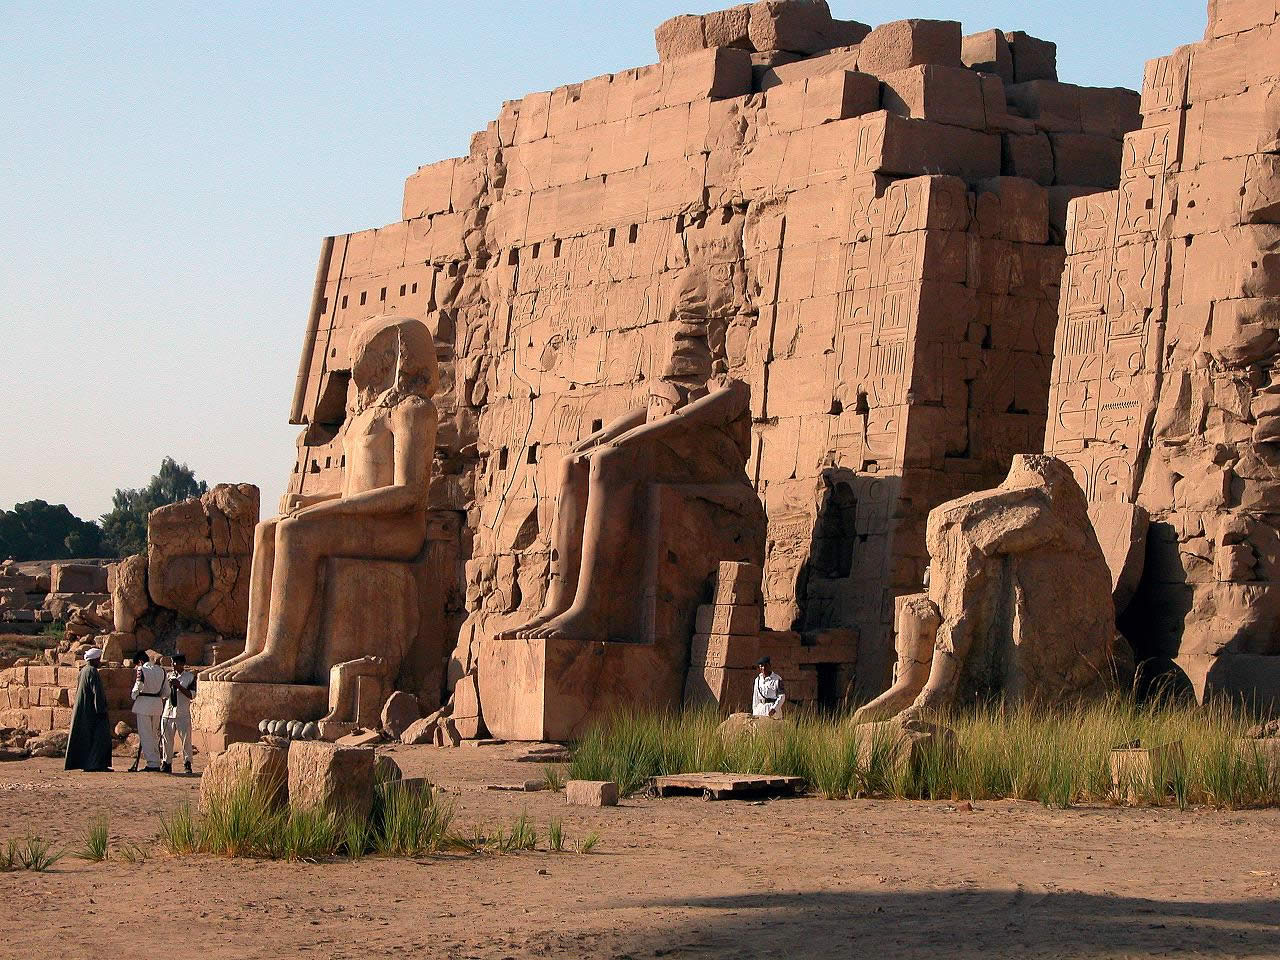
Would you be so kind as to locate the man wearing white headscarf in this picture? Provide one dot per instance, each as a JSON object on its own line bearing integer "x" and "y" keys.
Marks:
{"x": 89, "y": 742}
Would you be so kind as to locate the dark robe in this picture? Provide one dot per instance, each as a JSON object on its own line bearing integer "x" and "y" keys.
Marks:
{"x": 89, "y": 744}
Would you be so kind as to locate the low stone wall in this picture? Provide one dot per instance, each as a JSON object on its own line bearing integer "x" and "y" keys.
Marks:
{"x": 41, "y": 698}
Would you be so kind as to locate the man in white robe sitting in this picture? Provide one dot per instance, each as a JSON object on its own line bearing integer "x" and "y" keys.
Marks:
{"x": 768, "y": 694}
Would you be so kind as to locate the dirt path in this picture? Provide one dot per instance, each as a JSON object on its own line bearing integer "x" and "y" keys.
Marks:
{"x": 672, "y": 878}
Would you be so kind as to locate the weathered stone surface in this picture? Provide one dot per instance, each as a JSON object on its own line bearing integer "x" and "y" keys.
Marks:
{"x": 129, "y": 597}
{"x": 51, "y": 744}
{"x": 199, "y": 553}
{"x": 1182, "y": 253}
{"x": 1023, "y": 591}
{"x": 591, "y": 793}
{"x": 336, "y": 779}
{"x": 77, "y": 578}
{"x": 1122, "y": 533}
{"x": 399, "y": 713}
{"x": 892, "y": 748}
{"x": 262, "y": 767}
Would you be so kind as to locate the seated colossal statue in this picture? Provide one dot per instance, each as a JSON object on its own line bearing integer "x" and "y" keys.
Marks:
{"x": 696, "y": 429}
{"x": 379, "y": 515}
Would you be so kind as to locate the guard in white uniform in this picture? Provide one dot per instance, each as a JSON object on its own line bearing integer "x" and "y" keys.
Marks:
{"x": 181, "y": 690}
{"x": 148, "y": 704}
{"x": 768, "y": 695}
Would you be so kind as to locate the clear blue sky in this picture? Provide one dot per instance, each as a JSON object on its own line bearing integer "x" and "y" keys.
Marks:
{"x": 168, "y": 169}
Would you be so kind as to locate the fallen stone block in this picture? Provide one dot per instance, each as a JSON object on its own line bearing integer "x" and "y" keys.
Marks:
{"x": 399, "y": 713}
{"x": 907, "y": 43}
{"x": 591, "y": 793}
{"x": 330, "y": 777}
{"x": 262, "y": 766}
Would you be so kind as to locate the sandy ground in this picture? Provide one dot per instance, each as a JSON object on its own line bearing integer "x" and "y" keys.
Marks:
{"x": 671, "y": 878}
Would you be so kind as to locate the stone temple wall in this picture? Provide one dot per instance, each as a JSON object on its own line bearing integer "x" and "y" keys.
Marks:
{"x": 888, "y": 207}
{"x": 1164, "y": 388}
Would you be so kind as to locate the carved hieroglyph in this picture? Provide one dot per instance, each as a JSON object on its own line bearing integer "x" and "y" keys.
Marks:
{"x": 887, "y": 216}
{"x": 1164, "y": 388}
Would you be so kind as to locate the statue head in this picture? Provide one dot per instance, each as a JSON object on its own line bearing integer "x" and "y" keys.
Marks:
{"x": 392, "y": 357}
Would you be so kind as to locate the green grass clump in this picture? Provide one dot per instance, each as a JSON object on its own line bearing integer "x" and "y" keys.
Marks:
{"x": 96, "y": 847}
{"x": 409, "y": 821}
{"x": 1057, "y": 756}
{"x": 30, "y": 853}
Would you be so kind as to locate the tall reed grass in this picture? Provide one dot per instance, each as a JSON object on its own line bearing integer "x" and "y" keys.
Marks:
{"x": 1056, "y": 756}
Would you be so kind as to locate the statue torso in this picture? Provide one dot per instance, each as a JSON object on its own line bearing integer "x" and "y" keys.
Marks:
{"x": 369, "y": 446}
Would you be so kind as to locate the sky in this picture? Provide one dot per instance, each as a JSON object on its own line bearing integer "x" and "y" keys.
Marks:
{"x": 169, "y": 169}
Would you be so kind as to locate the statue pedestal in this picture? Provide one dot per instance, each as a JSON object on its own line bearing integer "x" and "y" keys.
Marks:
{"x": 224, "y": 713}
{"x": 555, "y": 689}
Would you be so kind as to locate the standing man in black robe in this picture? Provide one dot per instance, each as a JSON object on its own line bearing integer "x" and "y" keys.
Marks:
{"x": 89, "y": 743}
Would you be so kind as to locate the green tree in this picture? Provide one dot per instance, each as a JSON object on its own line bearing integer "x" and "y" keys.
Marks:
{"x": 37, "y": 530}
{"x": 125, "y": 527}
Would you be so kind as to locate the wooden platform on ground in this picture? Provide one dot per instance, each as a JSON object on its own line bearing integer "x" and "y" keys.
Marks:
{"x": 725, "y": 786}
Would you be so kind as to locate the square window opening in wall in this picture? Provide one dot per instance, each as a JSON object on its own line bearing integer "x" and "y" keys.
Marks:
{"x": 414, "y": 288}
{"x": 537, "y": 249}
{"x": 502, "y": 459}
{"x": 613, "y": 235}
{"x": 634, "y": 235}
{"x": 364, "y": 297}
{"x": 533, "y": 453}
{"x": 403, "y": 288}
{"x": 342, "y": 461}
{"x": 344, "y": 303}
{"x": 453, "y": 269}
{"x": 680, "y": 224}
{"x": 558, "y": 247}
{"x": 597, "y": 426}
{"x": 328, "y": 462}
{"x": 324, "y": 304}
{"x": 382, "y": 295}
{"x": 513, "y": 258}
{"x": 315, "y": 466}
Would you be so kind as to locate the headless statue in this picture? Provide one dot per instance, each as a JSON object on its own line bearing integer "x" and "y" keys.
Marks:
{"x": 696, "y": 429}
{"x": 388, "y": 440}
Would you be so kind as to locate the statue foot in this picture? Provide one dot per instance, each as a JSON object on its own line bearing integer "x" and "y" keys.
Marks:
{"x": 222, "y": 670}
{"x": 572, "y": 625}
{"x": 259, "y": 668}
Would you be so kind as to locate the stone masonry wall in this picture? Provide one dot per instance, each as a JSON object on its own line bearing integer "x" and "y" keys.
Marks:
{"x": 1164, "y": 389}
{"x": 887, "y": 206}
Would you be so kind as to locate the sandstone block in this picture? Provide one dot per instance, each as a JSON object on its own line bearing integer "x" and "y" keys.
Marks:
{"x": 941, "y": 94}
{"x": 907, "y": 43}
{"x": 838, "y": 95}
{"x": 199, "y": 553}
{"x": 77, "y": 578}
{"x": 1029, "y": 156}
{"x": 117, "y": 647}
{"x": 1086, "y": 159}
{"x": 129, "y": 598}
{"x": 988, "y": 52}
{"x": 262, "y": 767}
{"x": 591, "y": 793}
{"x": 1033, "y": 58}
{"x": 399, "y": 713}
{"x": 800, "y": 26}
{"x": 420, "y": 731}
{"x": 729, "y": 620}
{"x": 707, "y": 75}
{"x": 1122, "y": 533}
{"x": 332, "y": 778}
{"x": 725, "y": 650}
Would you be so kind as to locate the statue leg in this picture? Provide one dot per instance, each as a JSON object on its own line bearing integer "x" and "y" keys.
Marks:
{"x": 302, "y": 544}
{"x": 615, "y": 478}
{"x": 264, "y": 558}
{"x": 566, "y": 544}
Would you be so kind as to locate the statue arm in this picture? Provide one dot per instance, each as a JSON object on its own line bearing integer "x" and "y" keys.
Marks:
{"x": 611, "y": 431}
{"x": 293, "y": 502}
{"x": 716, "y": 409}
{"x": 413, "y": 428}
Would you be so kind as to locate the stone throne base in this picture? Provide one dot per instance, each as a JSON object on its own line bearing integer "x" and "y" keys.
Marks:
{"x": 553, "y": 689}
{"x": 225, "y": 713}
